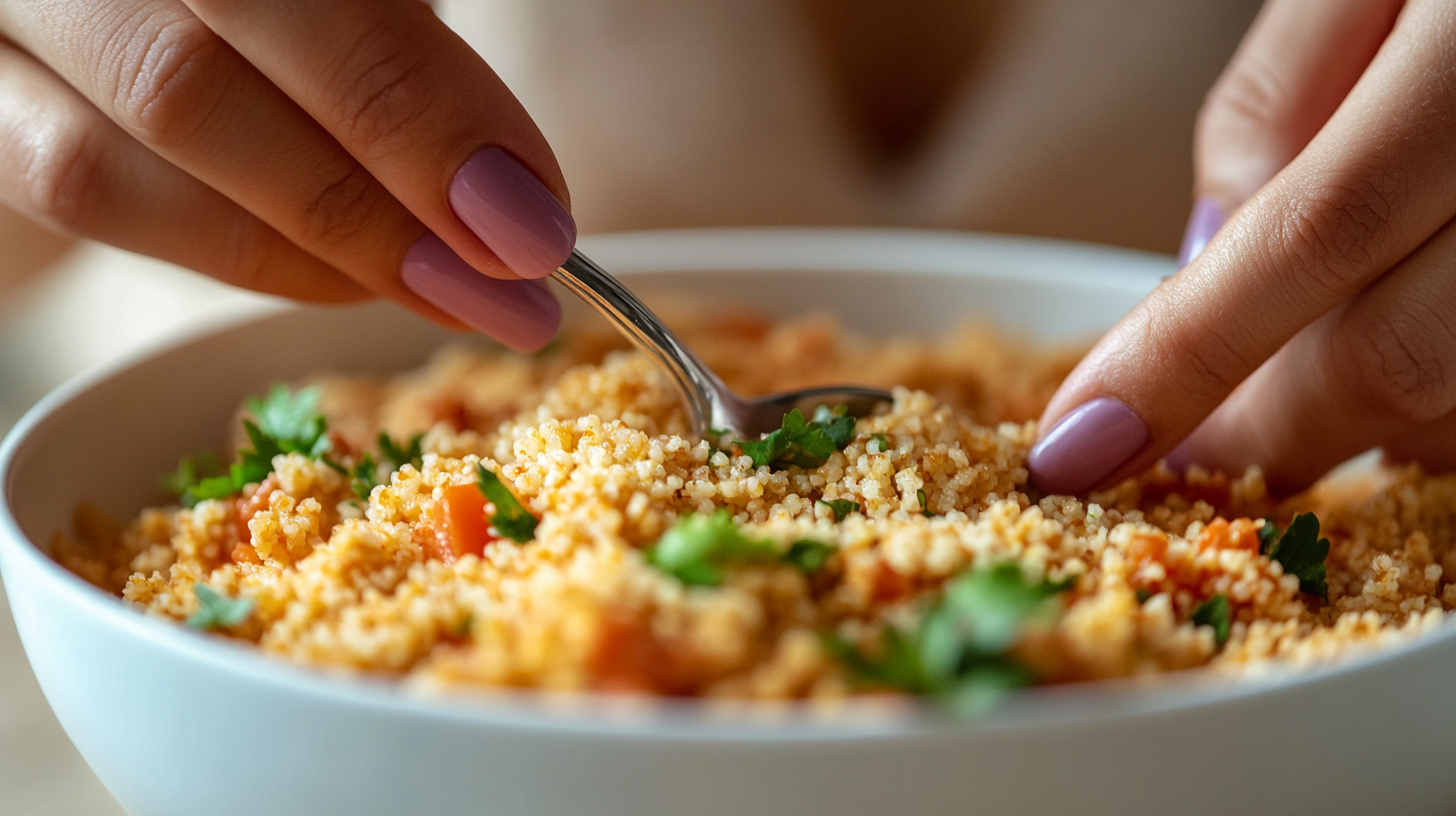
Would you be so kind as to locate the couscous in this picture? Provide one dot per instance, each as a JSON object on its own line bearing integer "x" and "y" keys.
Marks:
{"x": 548, "y": 522}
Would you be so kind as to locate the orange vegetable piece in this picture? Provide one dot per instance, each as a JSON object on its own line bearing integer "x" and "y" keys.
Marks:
{"x": 463, "y": 527}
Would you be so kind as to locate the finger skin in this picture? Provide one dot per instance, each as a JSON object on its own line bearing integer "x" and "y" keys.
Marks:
{"x": 1381, "y": 367}
{"x": 64, "y": 164}
{"x": 1373, "y": 185}
{"x": 398, "y": 89}
{"x": 1297, "y": 63}
{"x": 174, "y": 85}
{"x": 1433, "y": 447}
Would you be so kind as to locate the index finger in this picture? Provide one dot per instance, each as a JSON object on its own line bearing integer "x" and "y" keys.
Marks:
{"x": 1374, "y": 184}
{"x": 422, "y": 112}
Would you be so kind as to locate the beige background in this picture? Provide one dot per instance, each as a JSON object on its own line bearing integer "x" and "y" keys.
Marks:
{"x": 1075, "y": 121}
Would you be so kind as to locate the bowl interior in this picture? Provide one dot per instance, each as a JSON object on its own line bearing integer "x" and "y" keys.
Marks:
{"x": 105, "y": 437}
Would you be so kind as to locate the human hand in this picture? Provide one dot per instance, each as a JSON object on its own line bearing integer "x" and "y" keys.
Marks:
{"x": 317, "y": 149}
{"x": 1320, "y": 321}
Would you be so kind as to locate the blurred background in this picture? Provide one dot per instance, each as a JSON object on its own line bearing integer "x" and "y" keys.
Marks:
{"x": 1063, "y": 118}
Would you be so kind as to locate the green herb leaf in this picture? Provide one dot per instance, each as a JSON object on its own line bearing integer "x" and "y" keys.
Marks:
{"x": 797, "y": 442}
{"x": 697, "y": 548}
{"x": 218, "y": 611}
{"x": 841, "y": 507}
{"x": 396, "y": 456}
{"x": 807, "y": 555}
{"x": 960, "y": 652}
{"x": 291, "y": 421}
{"x": 1301, "y": 552}
{"x": 881, "y": 441}
{"x": 1214, "y": 612}
{"x": 511, "y": 519}
{"x": 465, "y": 626}
{"x": 362, "y": 476}
{"x": 924, "y": 504}
{"x": 196, "y": 478}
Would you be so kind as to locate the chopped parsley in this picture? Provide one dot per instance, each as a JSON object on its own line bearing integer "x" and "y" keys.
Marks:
{"x": 699, "y": 548}
{"x": 218, "y": 611}
{"x": 924, "y": 504}
{"x": 286, "y": 422}
{"x": 797, "y": 442}
{"x": 960, "y": 653}
{"x": 808, "y": 555}
{"x": 841, "y": 507}
{"x": 882, "y": 444}
{"x": 510, "y": 518}
{"x": 1214, "y": 612}
{"x": 1300, "y": 551}
{"x": 364, "y": 475}
{"x": 397, "y": 456}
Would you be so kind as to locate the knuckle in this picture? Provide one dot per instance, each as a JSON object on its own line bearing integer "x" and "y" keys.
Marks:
{"x": 1330, "y": 237}
{"x": 165, "y": 77}
{"x": 1250, "y": 98}
{"x": 342, "y": 210}
{"x": 59, "y": 178}
{"x": 381, "y": 93}
{"x": 1398, "y": 366}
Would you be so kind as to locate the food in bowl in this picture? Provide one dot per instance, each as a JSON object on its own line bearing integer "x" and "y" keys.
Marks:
{"x": 549, "y": 522}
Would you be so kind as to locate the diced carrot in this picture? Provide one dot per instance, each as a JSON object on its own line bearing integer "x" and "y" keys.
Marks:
{"x": 250, "y": 504}
{"x": 245, "y": 554}
{"x": 462, "y": 526}
{"x": 1241, "y": 534}
{"x": 627, "y": 658}
{"x": 1145, "y": 549}
{"x": 890, "y": 585}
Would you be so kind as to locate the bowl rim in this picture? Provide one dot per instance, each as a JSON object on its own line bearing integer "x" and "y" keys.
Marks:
{"x": 647, "y": 717}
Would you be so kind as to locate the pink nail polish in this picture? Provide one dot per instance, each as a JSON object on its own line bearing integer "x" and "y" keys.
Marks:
{"x": 522, "y": 314}
{"x": 1085, "y": 446}
{"x": 1203, "y": 224}
{"x": 513, "y": 213}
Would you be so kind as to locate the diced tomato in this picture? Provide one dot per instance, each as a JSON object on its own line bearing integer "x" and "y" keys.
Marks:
{"x": 462, "y": 525}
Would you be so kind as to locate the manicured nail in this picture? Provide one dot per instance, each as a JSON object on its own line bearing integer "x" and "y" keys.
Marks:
{"x": 522, "y": 314}
{"x": 1180, "y": 458}
{"x": 1085, "y": 446}
{"x": 513, "y": 213}
{"x": 1203, "y": 223}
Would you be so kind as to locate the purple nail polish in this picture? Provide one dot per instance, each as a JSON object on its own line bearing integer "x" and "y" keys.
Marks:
{"x": 522, "y": 314}
{"x": 513, "y": 213}
{"x": 1085, "y": 446}
{"x": 1203, "y": 224}
{"x": 1180, "y": 458}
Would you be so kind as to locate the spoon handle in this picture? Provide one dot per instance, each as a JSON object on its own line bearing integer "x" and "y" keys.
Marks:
{"x": 698, "y": 386}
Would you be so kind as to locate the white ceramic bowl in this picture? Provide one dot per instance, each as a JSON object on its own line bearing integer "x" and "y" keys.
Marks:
{"x": 177, "y": 724}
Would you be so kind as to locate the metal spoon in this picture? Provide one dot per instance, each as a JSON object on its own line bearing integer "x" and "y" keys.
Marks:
{"x": 709, "y": 402}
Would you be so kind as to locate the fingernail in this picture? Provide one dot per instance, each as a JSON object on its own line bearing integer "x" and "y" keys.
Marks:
{"x": 1180, "y": 458}
{"x": 1085, "y": 446}
{"x": 513, "y": 213}
{"x": 522, "y": 314}
{"x": 1203, "y": 223}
